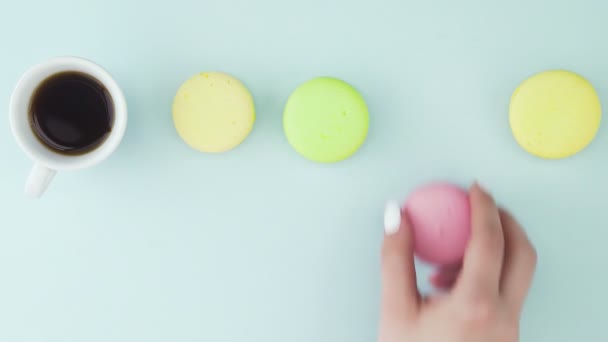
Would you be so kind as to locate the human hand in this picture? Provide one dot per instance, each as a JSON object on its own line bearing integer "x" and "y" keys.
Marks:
{"x": 486, "y": 295}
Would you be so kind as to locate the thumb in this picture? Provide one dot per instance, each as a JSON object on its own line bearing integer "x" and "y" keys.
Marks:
{"x": 400, "y": 298}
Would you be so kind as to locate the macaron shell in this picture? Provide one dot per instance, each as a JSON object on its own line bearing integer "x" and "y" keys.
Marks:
{"x": 555, "y": 114}
{"x": 440, "y": 215}
{"x": 213, "y": 112}
{"x": 326, "y": 120}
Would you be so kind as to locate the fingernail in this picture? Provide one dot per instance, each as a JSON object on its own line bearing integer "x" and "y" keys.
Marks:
{"x": 481, "y": 187}
{"x": 392, "y": 218}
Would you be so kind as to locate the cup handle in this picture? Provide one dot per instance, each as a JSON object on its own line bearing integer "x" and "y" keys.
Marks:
{"x": 39, "y": 179}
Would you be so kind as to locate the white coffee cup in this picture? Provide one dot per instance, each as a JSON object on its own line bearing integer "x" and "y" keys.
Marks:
{"x": 46, "y": 161}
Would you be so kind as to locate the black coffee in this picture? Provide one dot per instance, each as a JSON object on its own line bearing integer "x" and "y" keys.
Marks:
{"x": 71, "y": 113}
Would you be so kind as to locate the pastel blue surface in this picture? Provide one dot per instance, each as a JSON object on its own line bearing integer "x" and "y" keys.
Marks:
{"x": 162, "y": 243}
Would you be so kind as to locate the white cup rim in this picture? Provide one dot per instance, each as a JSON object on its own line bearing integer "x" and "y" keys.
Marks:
{"x": 19, "y": 114}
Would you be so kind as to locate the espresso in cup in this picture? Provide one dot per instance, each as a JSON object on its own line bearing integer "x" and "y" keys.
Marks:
{"x": 71, "y": 113}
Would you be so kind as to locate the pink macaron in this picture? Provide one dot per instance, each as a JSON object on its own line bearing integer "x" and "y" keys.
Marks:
{"x": 440, "y": 214}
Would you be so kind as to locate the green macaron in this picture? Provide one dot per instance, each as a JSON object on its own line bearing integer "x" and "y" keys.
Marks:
{"x": 326, "y": 120}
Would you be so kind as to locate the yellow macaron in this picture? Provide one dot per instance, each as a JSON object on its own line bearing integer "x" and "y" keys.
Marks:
{"x": 213, "y": 112}
{"x": 555, "y": 114}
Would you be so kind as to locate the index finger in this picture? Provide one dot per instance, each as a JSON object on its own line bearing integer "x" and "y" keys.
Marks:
{"x": 482, "y": 264}
{"x": 520, "y": 262}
